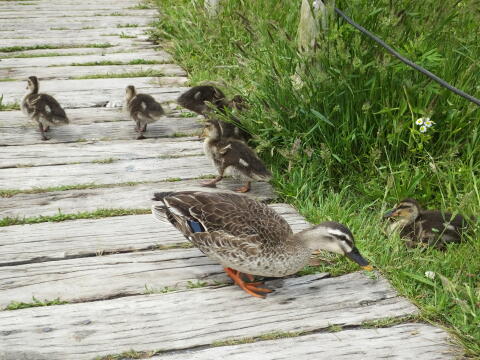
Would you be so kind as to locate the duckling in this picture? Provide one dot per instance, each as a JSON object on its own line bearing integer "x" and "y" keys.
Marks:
{"x": 197, "y": 98}
{"x": 42, "y": 108}
{"x": 232, "y": 157}
{"x": 249, "y": 238}
{"x": 238, "y": 102}
{"x": 433, "y": 227}
{"x": 143, "y": 109}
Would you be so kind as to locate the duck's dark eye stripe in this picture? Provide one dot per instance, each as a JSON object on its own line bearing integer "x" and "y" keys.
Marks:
{"x": 403, "y": 207}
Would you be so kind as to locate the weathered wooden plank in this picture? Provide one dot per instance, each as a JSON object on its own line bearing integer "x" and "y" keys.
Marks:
{"x": 31, "y": 54}
{"x": 74, "y": 23}
{"x": 70, "y": 239}
{"x": 122, "y": 130}
{"x": 74, "y": 13}
{"x": 73, "y": 41}
{"x": 97, "y": 34}
{"x": 41, "y": 154}
{"x": 10, "y": 6}
{"x": 126, "y": 197}
{"x": 91, "y": 92}
{"x": 17, "y": 88}
{"x": 147, "y": 54}
{"x": 68, "y": 72}
{"x": 173, "y": 321}
{"x": 402, "y": 342}
{"x": 111, "y": 173}
{"x": 86, "y": 116}
{"x": 106, "y": 277}
{"x": 98, "y": 97}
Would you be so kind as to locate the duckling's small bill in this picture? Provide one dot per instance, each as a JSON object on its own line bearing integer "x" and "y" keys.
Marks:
{"x": 388, "y": 214}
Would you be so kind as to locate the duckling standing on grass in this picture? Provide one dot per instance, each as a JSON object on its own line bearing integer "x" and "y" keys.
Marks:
{"x": 432, "y": 227}
{"x": 143, "y": 109}
{"x": 199, "y": 98}
{"x": 42, "y": 108}
{"x": 249, "y": 238}
{"x": 232, "y": 157}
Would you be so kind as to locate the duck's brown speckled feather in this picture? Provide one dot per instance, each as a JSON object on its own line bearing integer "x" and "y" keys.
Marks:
{"x": 240, "y": 232}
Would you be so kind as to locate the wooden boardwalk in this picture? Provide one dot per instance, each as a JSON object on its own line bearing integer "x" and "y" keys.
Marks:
{"x": 133, "y": 284}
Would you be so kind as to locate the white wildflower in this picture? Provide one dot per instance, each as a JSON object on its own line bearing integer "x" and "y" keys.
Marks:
{"x": 428, "y": 123}
{"x": 297, "y": 82}
{"x": 430, "y": 274}
{"x": 423, "y": 129}
{"x": 419, "y": 121}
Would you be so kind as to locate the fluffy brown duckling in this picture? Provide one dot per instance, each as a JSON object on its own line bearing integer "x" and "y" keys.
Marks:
{"x": 232, "y": 157}
{"x": 196, "y": 99}
{"x": 199, "y": 98}
{"x": 143, "y": 109}
{"x": 42, "y": 108}
{"x": 430, "y": 227}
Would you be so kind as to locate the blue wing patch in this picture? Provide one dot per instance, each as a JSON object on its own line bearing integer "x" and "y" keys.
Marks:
{"x": 195, "y": 226}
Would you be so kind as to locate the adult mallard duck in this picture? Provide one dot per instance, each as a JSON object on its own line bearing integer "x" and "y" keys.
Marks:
{"x": 247, "y": 237}
{"x": 143, "y": 109}
{"x": 430, "y": 227}
{"x": 42, "y": 108}
{"x": 232, "y": 157}
{"x": 210, "y": 102}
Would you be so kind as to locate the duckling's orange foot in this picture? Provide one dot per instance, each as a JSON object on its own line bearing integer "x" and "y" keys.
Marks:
{"x": 212, "y": 183}
{"x": 250, "y": 288}
{"x": 243, "y": 189}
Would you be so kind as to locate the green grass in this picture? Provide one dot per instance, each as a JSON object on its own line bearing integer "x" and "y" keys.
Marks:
{"x": 16, "y": 305}
{"x": 105, "y": 161}
{"x": 9, "y": 106}
{"x": 99, "y": 213}
{"x": 6, "y": 193}
{"x": 127, "y": 25}
{"x": 8, "y": 49}
{"x": 126, "y": 36}
{"x": 337, "y": 126}
{"x": 140, "y": 73}
{"x": 131, "y": 354}
{"x": 196, "y": 284}
{"x": 15, "y": 56}
{"x": 110, "y": 62}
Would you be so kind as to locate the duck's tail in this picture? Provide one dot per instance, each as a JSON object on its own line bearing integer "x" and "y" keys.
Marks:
{"x": 159, "y": 210}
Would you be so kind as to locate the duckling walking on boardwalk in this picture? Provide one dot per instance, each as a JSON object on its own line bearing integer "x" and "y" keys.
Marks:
{"x": 232, "y": 157}
{"x": 42, "y": 108}
{"x": 419, "y": 226}
{"x": 143, "y": 109}
{"x": 197, "y": 99}
{"x": 249, "y": 238}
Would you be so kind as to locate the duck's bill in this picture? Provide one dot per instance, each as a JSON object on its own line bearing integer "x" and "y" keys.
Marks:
{"x": 388, "y": 214}
{"x": 354, "y": 255}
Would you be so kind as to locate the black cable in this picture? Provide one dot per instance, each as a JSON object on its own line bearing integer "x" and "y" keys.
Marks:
{"x": 407, "y": 61}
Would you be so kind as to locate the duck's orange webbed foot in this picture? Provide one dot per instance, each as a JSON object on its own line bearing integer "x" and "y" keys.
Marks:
{"x": 250, "y": 288}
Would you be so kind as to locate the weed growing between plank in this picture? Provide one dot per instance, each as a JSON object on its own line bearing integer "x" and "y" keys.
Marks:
{"x": 99, "y": 213}
{"x": 8, "y": 49}
{"x": 338, "y": 127}
{"x": 16, "y": 305}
